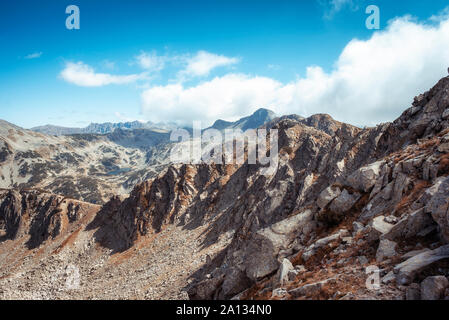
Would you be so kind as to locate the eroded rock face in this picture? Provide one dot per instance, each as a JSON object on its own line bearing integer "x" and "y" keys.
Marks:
{"x": 37, "y": 215}
{"x": 407, "y": 270}
{"x": 257, "y": 257}
{"x": 327, "y": 195}
{"x": 344, "y": 202}
{"x": 410, "y": 225}
{"x": 320, "y": 243}
{"x": 438, "y": 206}
{"x": 387, "y": 249}
{"x": 365, "y": 178}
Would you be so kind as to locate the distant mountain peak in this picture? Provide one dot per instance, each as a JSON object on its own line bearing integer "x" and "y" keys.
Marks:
{"x": 260, "y": 117}
{"x": 263, "y": 112}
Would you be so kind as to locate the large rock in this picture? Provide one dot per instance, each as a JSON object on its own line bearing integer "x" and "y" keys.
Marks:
{"x": 365, "y": 178}
{"x": 413, "y": 253}
{"x": 378, "y": 228}
{"x": 327, "y": 195}
{"x": 258, "y": 257}
{"x": 438, "y": 206}
{"x": 380, "y": 225}
{"x": 234, "y": 283}
{"x": 407, "y": 270}
{"x": 387, "y": 249}
{"x": 409, "y": 226}
{"x": 446, "y": 114}
{"x": 321, "y": 243}
{"x": 205, "y": 290}
{"x": 344, "y": 202}
{"x": 433, "y": 288}
{"x": 282, "y": 276}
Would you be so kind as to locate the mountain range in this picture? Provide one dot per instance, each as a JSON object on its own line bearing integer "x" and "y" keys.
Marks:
{"x": 343, "y": 201}
{"x": 258, "y": 118}
{"x": 95, "y": 162}
{"x": 102, "y": 128}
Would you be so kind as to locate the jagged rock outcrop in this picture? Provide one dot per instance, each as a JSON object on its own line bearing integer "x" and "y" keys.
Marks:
{"x": 384, "y": 170}
{"x": 407, "y": 270}
{"x": 37, "y": 215}
{"x": 438, "y": 206}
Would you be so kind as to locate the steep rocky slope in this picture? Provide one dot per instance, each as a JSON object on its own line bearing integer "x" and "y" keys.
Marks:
{"x": 383, "y": 188}
{"x": 48, "y": 251}
{"x": 342, "y": 199}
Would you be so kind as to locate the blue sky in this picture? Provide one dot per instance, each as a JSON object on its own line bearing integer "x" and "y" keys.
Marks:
{"x": 194, "y": 59}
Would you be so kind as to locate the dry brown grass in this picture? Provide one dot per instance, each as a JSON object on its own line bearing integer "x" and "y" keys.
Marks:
{"x": 433, "y": 142}
{"x": 68, "y": 242}
{"x": 443, "y": 167}
{"x": 444, "y": 132}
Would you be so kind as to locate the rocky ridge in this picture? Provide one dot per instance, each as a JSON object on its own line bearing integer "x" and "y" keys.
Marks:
{"x": 342, "y": 199}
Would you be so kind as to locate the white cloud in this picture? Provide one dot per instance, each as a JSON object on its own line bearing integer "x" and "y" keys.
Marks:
{"x": 151, "y": 61}
{"x": 373, "y": 81}
{"x": 333, "y": 6}
{"x": 441, "y": 16}
{"x": 204, "y": 62}
{"x": 85, "y": 76}
{"x": 228, "y": 96}
{"x": 34, "y": 55}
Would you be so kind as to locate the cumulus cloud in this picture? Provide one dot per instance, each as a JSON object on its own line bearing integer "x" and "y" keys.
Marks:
{"x": 83, "y": 75}
{"x": 34, "y": 55}
{"x": 204, "y": 62}
{"x": 441, "y": 16}
{"x": 228, "y": 96}
{"x": 151, "y": 61}
{"x": 373, "y": 81}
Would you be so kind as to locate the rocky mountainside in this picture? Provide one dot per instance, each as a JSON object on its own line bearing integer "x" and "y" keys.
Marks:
{"x": 86, "y": 167}
{"x": 342, "y": 201}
